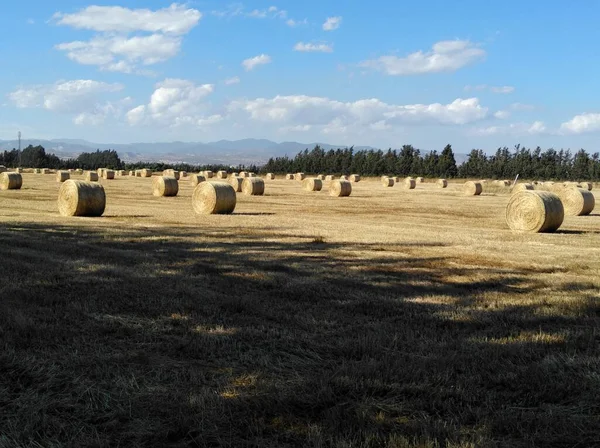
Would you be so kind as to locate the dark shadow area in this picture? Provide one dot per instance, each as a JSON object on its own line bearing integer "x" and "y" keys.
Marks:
{"x": 253, "y": 214}
{"x": 203, "y": 338}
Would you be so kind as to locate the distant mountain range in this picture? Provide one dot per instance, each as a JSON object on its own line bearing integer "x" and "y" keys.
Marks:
{"x": 227, "y": 152}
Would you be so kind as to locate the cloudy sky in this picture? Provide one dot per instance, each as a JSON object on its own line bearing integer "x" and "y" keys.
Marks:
{"x": 383, "y": 73}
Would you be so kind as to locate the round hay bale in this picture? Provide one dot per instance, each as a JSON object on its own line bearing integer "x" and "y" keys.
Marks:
{"x": 208, "y": 174}
{"x": 182, "y": 175}
{"x": 18, "y": 170}
{"x": 329, "y": 178}
{"x": 99, "y": 171}
{"x": 534, "y": 211}
{"x": 420, "y": 180}
{"x": 300, "y": 176}
{"x": 171, "y": 173}
{"x": 522, "y": 187}
{"x": 236, "y": 183}
{"x": 321, "y": 176}
{"x": 387, "y": 181}
{"x": 244, "y": 174}
{"x": 44, "y": 171}
{"x": 251, "y": 174}
{"x": 132, "y": 173}
{"x": 196, "y": 179}
{"x": 442, "y": 183}
{"x": 214, "y": 198}
{"x": 36, "y": 171}
{"x": 355, "y": 178}
{"x": 472, "y": 188}
{"x": 270, "y": 176}
{"x": 587, "y": 186}
{"x": 79, "y": 171}
{"x": 289, "y": 176}
{"x": 340, "y": 188}
{"x": 343, "y": 177}
{"x": 10, "y": 181}
{"x": 577, "y": 201}
{"x": 62, "y": 176}
{"x": 120, "y": 173}
{"x": 253, "y": 186}
{"x": 145, "y": 172}
{"x": 165, "y": 186}
{"x": 410, "y": 183}
{"x": 91, "y": 176}
{"x": 78, "y": 198}
{"x": 233, "y": 175}
{"x": 312, "y": 184}
{"x": 221, "y": 174}
{"x": 108, "y": 174}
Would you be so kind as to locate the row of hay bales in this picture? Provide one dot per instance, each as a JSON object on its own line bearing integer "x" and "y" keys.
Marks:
{"x": 328, "y": 178}
{"x": 168, "y": 186}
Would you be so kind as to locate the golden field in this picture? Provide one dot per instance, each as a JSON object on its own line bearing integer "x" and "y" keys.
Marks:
{"x": 393, "y": 317}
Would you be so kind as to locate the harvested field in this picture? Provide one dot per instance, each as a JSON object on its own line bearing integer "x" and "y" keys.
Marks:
{"x": 388, "y": 318}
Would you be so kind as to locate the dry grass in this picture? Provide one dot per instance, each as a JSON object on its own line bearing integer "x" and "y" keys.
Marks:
{"x": 387, "y": 318}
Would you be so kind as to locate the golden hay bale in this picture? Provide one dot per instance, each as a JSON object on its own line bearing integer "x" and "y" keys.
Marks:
{"x": 171, "y": 173}
{"x": 387, "y": 181}
{"x": 18, "y": 170}
{"x": 79, "y": 171}
{"x": 420, "y": 180}
{"x": 340, "y": 188}
{"x": 300, "y": 176}
{"x": 36, "y": 171}
{"x": 182, "y": 175}
{"x": 253, "y": 186}
{"x": 410, "y": 183}
{"x": 355, "y": 178}
{"x": 251, "y": 174}
{"x": 312, "y": 184}
{"x": 120, "y": 173}
{"x": 91, "y": 176}
{"x": 165, "y": 186}
{"x": 236, "y": 183}
{"x": 343, "y": 177}
{"x": 329, "y": 178}
{"x": 214, "y": 198}
{"x": 534, "y": 211}
{"x": 78, "y": 198}
{"x": 196, "y": 179}
{"x": 132, "y": 173}
{"x": 289, "y": 176}
{"x": 587, "y": 186}
{"x": 44, "y": 171}
{"x": 320, "y": 176}
{"x": 62, "y": 176}
{"x": 270, "y": 176}
{"x": 472, "y": 188}
{"x": 244, "y": 174}
{"x": 99, "y": 171}
{"x": 10, "y": 181}
{"x": 577, "y": 201}
{"x": 233, "y": 175}
{"x": 221, "y": 174}
{"x": 108, "y": 174}
{"x": 521, "y": 187}
{"x": 208, "y": 174}
{"x": 2, "y": 169}
{"x": 442, "y": 183}
{"x": 145, "y": 172}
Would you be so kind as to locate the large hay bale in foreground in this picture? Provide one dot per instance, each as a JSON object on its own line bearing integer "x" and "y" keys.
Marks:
{"x": 214, "y": 198}
{"x": 534, "y": 211}
{"x": 108, "y": 174}
{"x": 387, "y": 181}
{"x": 196, "y": 179}
{"x": 91, "y": 176}
{"x": 420, "y": 180}
{"x": 289, "y": 176}
{"x": 253, "y": 186}
{"x": 62, "y": 176}
{"x": 355, "y": 178}
{"x": 410, "y": 183}
{"x": 577, "y": 201}
{"x": 236, "y": 183}
{"x": 442, "y": 183}
{"x": 472, "y": 188}
{"x": 312, "y": 184}
{"x": 10, "y": 181}
{"x": 78, "y": 198}
{"x": 329, "y": 178}
{"x": 300, "y": 177}
{"x": 165, "y": 186}
{"x": 521, "y": 187}
{"x": 270, "y": 176}
{"x": 145, "y": 172}
{"x": 340, "y": 188}
{"x": 221, "y": 174}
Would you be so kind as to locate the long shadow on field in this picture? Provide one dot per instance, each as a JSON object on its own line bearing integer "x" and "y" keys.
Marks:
{"x": 187, "y": 338}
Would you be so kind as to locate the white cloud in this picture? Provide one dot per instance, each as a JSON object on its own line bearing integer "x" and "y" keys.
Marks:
{"x": 493, "y": 89}
{"x": 176, "y": 19}
{"x": 79, "y": 97}
{"x": 231, "y": 81}
{"x": 250, "y": 63}
{"x": 445, "y": 56}
{"x": 502, "y": 114}
{"x": 515, "y": 129}
{"x": 30, "y": 22}
{"x": 332, "y": 23}
{"x": 303, "y": 113}
{"x": 122, "y": 54}
{"x": 579, "y": 124}
{"x": 503, "y": 89}
{"x": 522, "y": 107}
{"x": 294, "y": 23}
{"x": 308, "y": 47}
{"x": 174, "y": 102}
{"x": 233, "y": 10}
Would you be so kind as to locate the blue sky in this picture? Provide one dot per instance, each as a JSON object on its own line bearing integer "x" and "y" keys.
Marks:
{"x": 382, "y": 73}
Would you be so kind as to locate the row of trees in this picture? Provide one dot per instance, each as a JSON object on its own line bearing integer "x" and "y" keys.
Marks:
{"x": 408, "y": 161}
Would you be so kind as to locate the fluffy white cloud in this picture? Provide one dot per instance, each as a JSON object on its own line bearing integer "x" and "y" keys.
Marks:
{"x": 502, "y": 114}
{"x": 82, "y": 97}
{"x": 294, "y": 23}
{"x": 579, "y": 124}
{"x": 308, "y": 47}
{"x": 302, "y": 113}
{"x": 493, "y": 89}
{"x": 516, "y": 129}
{"x": 176, "y": 19}
{"x": 445, "y": 56}
{"x": 231, "y": 81}
{"x": 251, "y": 63}
{"x": 332, "y": 23}
{"x": 503, "y": 89}
{"x": 122, "y": 54}
{"x": 175, "y": 102}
